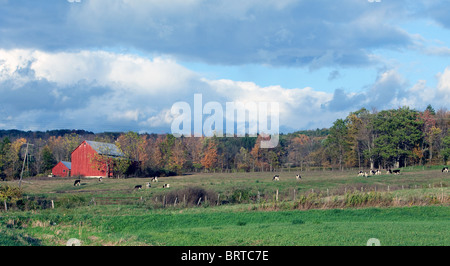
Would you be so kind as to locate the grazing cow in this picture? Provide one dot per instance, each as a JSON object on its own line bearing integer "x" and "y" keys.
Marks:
{"x": 361, "y": 173}
{"x": 389, "y": 172}
{"x": 366, "y": 174}
{"x": 138, "y": 187}
{"x": 397, "y": 172}
{"x": 77, "y": 183}
{"x": 445, "y": 170}
{"x": 166, "y": 186}
{"x": 276, "y": 178}
{"x": 378, "y": 172}
{"x": 100, "y": 179}
{"x": 155, "y": 179}
{"x": 148, "y": 185}
{"x": 373, "y": 172}
{"x": 298, "y": 177}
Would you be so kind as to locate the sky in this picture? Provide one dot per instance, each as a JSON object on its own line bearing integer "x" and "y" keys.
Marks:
{"x": 120, "y": 65}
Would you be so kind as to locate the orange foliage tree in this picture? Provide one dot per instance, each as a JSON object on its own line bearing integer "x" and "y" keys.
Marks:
{"x": 210, "y": 158}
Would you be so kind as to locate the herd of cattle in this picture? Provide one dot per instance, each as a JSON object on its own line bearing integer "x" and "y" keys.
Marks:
{"x": 275, "y": 177}
{"x": 378, "y": 172}
{"x": 149, "y": 185}
{"x": 137, "y": 187}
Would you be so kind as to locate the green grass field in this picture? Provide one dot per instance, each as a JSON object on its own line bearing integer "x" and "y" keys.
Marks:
{"x": 410, "y": 209}
{"x": 225, "y": 226}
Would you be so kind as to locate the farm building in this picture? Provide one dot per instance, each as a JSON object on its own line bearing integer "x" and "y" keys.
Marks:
{"x": 93, "y": 159}
{"x": 62, "y": 169}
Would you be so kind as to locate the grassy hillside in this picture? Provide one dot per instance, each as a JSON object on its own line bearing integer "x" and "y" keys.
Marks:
{"x": 227, "y": 226}
{"x": 324, "y": 208}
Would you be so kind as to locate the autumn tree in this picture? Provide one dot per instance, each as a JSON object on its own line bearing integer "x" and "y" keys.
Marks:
{"x": 130, "y": 144}
{"x": 298, "y": 150}
{"x": 256, "y": 155}
{"x": 178, "y": 157}
{"x": 243, "y": 160}
{"x": 12, "y": 158}
{"x": 209, "y": 160}
{"x": 152, "y": 156}
{"x": 194, "y": 147}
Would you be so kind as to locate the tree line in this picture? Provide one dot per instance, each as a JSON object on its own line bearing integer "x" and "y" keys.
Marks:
{"x": 364, "y": 139}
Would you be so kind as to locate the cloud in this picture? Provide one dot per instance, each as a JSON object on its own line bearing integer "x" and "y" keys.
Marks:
{"x": 438, "y": 51}
{"x": 105, "y": 91}
{"x": 437, "y": 10}
{"x": 444, "y": 85}
{"x": 290, "y": 32}
{"x": 334, "y": 75}
{"x": 391, "y": 90}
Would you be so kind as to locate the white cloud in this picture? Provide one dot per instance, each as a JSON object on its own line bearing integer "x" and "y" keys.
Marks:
{"x": 100, "y": 91}
{"x": 444, "y": 85}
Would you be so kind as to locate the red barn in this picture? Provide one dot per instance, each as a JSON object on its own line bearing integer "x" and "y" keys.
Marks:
{"x": 91, "y": 159}
{"x": 62, "y": 169}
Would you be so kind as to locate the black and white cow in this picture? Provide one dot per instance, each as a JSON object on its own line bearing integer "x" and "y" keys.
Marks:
{"x": 148, "y": 185}
{"x": 77, "y": 183}
{"x": 397, "y": 172}
{"x": 373, "y": 172}
{"x": 378, "y": 172}
{"x": 389, "y": 172}
{"x": 155, "y": 179}
{"x": 361, "y": 173}
{"x": 445, "y": 170}
{"x": 138, "y": 187}
{"x": 100, "y": 179}
{"x": 298, "y": 177}
{"x": 276, "y": 178}
{"x": 166, "y": 186}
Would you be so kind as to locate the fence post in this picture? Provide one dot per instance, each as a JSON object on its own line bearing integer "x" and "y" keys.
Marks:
{"x": 200, "y": 199}
{"x": 6, "y": 206}
{"x": 53, "y": 205}
{"x": 277, "y": 196}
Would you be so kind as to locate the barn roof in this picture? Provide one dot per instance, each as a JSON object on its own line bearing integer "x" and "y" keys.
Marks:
{"x": 106, "y": 148}
{"x": 67, "y": 164}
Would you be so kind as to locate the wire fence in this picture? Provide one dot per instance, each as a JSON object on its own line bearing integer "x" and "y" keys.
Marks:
{"x": 206, "y": 199}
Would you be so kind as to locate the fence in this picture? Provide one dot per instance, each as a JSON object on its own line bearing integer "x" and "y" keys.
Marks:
{"x": 164, "y": 201}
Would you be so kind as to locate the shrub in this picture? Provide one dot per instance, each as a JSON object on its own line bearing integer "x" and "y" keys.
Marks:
{"x": 9, "y": 194}
{"x": 191, "y": 196}
{"x": 358, "y": 199}
{"x": 242, "y": 195}
{"x": 72, "y": 202}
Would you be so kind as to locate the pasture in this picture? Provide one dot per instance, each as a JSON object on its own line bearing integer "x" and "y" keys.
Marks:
{"x": 237, "y": 209}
